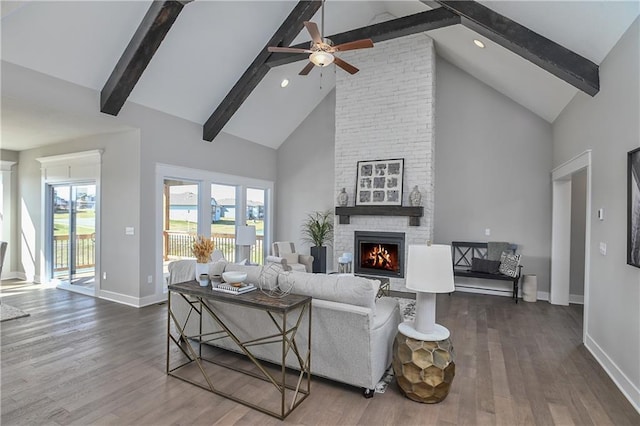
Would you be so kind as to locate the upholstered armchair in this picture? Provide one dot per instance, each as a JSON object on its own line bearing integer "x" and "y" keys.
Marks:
{"x": 286, "y": 250}
{"x": 3, "y": 251}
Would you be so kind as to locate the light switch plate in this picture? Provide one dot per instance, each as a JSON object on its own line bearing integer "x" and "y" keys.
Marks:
{"x": 487, "y": 231}
{"x": 129, "y": 230}
{"x": 603, "y": 249}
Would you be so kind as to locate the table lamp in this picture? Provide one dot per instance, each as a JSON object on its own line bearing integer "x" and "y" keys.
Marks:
{"x": 429, "y": 271}
{"x": 245, "y": 238}
{"x": 423, "y": 358}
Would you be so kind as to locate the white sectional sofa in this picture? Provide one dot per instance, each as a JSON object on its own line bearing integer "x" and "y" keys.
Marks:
{"x": 352, "y": 330}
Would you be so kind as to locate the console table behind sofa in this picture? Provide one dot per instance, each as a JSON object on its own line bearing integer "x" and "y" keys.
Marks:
{"x": 462, "y": 252}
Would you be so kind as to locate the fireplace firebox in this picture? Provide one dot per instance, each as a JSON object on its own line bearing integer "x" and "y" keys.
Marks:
{"x": 379, "y": 253}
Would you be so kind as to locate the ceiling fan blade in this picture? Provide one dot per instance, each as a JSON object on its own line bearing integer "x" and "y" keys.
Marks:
{"x": 274, "y": 49}
{"x": 307, "y": 69}
{"x": 313, "y": 31}
{"x": 352, "y": 45}
{"x": 345, "y": 65}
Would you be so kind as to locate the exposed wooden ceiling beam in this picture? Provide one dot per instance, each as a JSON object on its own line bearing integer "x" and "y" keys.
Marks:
{"x": 548, "y": 55}
{"x": 143, "y": 45}
{"x": 287, "y": 32}
{"x": 400, "y": 27}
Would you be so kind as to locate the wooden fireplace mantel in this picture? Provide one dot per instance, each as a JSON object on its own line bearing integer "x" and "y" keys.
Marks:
{"x": 414, "y": 213}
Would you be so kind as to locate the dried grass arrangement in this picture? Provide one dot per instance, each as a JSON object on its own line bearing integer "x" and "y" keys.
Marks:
{"x": 202, "y": 247}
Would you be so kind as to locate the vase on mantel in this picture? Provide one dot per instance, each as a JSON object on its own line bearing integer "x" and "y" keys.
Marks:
{"x": 415, "y": 197}
{"x": 343, "y": 198}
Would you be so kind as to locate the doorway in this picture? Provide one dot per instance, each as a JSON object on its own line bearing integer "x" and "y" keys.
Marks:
{"x": 562, "y": 218}
{"x": 72, "y": 225}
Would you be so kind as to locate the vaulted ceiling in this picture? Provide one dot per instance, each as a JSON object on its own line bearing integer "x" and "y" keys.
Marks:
{"x": 212, "y": 43}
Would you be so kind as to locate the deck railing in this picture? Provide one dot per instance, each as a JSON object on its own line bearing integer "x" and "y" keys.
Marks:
{"x": 85, "y": 253}
{"x": 178, "y": 245}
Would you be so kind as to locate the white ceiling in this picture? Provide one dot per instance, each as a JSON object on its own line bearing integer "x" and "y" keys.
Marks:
{"x": 213, "y": 42}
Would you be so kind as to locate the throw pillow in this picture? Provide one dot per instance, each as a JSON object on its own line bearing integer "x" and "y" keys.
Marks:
{"x": 484, "y": 265}
{"x": 217, "y": 268}
{"x": 339, "y": 288}
{"x": 509, "y": 264}
{"x": 253, "y": 272}
{"x": 290, "y": 257}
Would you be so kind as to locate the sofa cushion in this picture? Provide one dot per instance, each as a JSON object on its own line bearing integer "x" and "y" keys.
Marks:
{"x": 341, "y": 288}
{"x": 485, "y": 265}
{"x": 509, "y": 264}
{"x": 253, "y": 272}
{"x": 217, "y": 268}
{"x": 290, "y": 257}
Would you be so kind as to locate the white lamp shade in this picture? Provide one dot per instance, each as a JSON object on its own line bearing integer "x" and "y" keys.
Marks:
{"x": 429, "y": 269}
{"x": 245, "y": 235}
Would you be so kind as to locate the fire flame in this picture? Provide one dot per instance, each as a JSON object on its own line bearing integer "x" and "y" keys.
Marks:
{"x": 379, "y": 257}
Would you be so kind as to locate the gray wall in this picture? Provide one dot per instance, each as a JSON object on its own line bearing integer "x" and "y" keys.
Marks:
{"x": 7, "y": 155}
{"x": 119, "y": 203}
{"x": 171, "y": 140}
{"x": 609, "y": 125}
{"x": 10, "y": 216}
{"x": 578, "y": 223}
{"x": 128, "y": 167}
{"x": 493, "y": 165}
{"x": 305, "y": 174}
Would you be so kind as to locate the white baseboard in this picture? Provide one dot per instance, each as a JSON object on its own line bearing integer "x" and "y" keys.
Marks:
{"x": 136, "y": 302}
{"x": 479, "y": 290}
{"x": 628, "y": 389}
{"x": 14, "y": 275}
{"x": 543, "y": 295}
{"x": 152, "y": 300}
{"x": 576, "y": 299}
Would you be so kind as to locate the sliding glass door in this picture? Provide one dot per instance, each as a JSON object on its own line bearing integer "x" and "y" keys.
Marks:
{"x": 180, "y": 219}
{"x": 73, "y": 234}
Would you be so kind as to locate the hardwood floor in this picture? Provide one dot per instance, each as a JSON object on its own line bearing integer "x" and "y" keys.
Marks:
{"x": 78, "y": 360}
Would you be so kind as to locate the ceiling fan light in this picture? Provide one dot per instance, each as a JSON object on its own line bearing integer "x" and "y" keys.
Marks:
{"x": 321, "y": 59}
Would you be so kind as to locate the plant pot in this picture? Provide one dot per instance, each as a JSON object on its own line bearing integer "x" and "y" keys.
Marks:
{"x": 319, "y": 259}
{"x": 201, "y": 268}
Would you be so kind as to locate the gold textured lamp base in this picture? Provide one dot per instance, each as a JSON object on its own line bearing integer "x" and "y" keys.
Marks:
{"x": 424, "y": 370}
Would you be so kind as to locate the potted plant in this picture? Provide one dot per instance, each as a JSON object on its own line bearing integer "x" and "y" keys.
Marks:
{"x": 317, "y": 229}
{"x": 201, "y": 248}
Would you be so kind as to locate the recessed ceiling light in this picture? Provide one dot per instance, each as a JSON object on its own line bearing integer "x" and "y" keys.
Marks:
{"x": 284, "y": 83}
{"x": 478, "y": 43}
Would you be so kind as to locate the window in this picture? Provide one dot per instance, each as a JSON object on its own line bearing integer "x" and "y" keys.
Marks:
{"x": 223, "y": 218}
{"x": 197, "y": 202}
{"x": 255, "y": 217}
{"x": 180, "y": 220}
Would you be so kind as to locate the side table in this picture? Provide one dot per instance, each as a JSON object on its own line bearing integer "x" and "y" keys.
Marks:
{"x": 424, "y": 369}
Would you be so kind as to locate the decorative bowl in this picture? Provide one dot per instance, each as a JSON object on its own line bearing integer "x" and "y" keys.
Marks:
{"x": 233, "y": 277}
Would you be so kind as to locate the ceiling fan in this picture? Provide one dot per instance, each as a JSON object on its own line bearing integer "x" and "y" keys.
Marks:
{"x": 322, "y": 51}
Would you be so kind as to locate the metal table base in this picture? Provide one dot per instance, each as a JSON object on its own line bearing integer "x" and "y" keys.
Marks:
{"x": 276, "y": 309}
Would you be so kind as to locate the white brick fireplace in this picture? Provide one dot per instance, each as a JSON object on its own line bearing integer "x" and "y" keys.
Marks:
{"x": 387, "y": 111}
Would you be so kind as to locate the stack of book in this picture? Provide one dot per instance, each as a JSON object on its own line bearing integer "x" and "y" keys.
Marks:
{"x": 232, "y": 289}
